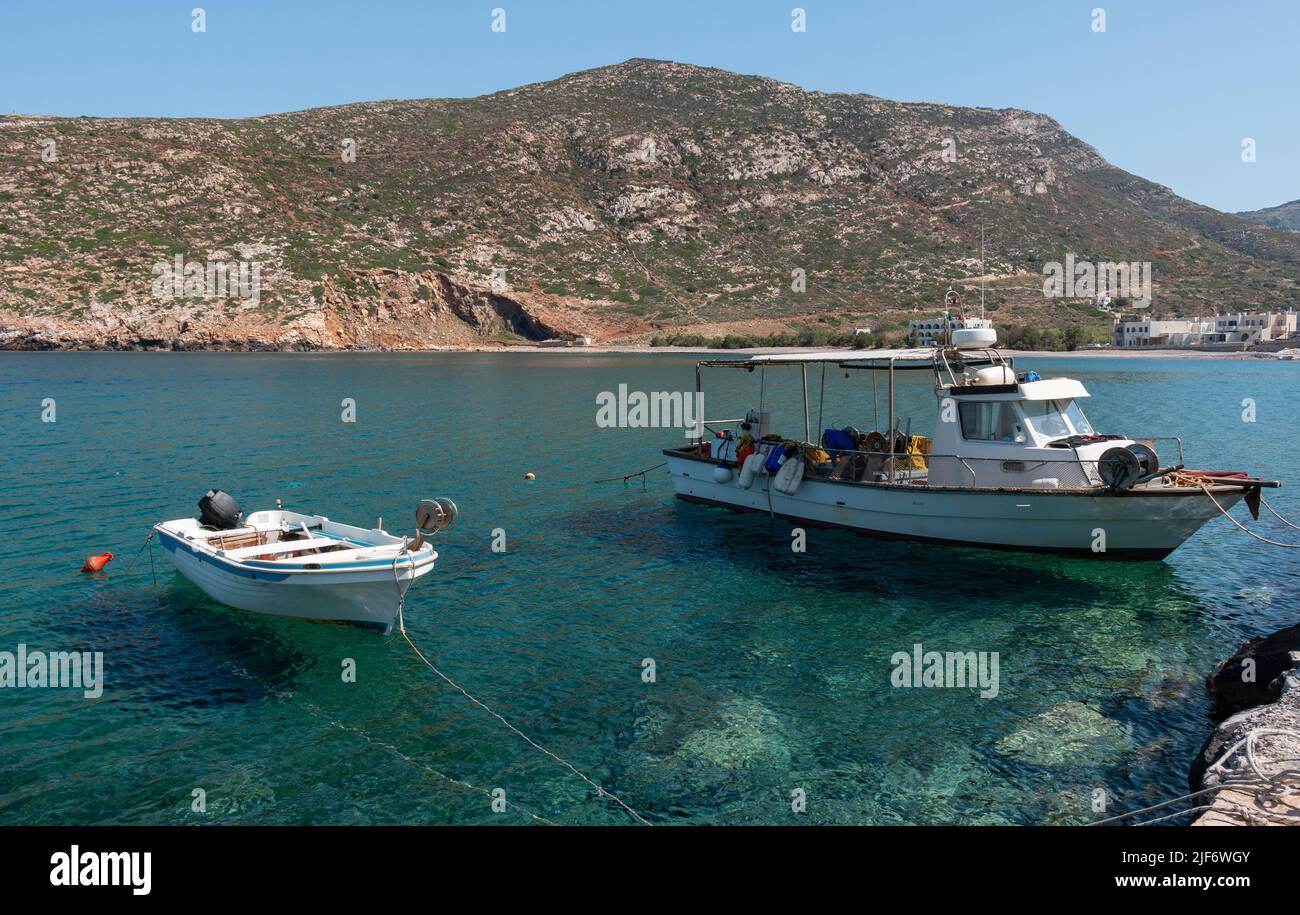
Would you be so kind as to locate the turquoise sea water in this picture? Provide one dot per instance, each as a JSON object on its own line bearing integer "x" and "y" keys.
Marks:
{"x": 772, "y": 668}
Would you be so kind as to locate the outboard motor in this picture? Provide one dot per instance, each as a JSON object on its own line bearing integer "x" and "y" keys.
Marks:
{"x": 218, "y": 509}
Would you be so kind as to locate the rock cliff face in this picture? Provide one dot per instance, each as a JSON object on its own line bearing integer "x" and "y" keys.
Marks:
{"x": 616, "y": 203}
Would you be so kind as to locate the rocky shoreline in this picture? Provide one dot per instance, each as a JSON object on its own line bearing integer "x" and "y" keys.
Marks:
{"x": 377, "y": 310}
{"x": 1258, "y": 689}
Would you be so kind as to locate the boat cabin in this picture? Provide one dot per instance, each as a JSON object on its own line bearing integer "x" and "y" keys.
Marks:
{"x": 1000, "y": 429}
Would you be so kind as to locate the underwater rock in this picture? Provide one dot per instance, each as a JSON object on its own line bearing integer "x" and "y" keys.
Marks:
{"x": 727, "y": 761}
{"x": 749, "y": 735}
{"x": 1066, "y": 732}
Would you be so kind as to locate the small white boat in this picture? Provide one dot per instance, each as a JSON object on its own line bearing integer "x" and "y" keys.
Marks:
{"x": 283, "y": 563}
{"x": 1011, "y": 463}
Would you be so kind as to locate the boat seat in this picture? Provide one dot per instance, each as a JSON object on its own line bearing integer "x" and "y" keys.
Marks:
{"x": 343, "y": 556}
{"x": 285, "y": 546}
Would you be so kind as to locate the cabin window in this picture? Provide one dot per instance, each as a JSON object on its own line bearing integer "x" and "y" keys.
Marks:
{"x": 991, "y": 421}
{"x": 1046, "y": 419}
{"x": 1053, "y": 419}
{"x": 1077, "y": 419}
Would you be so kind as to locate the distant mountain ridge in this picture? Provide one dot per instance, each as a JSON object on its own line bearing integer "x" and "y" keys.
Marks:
{"x": 1282, "y": 216}
{"x": 623, "y": 202}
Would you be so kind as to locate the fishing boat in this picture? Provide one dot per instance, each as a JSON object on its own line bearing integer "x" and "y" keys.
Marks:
{"x": 284, "y": 563}
{"x": 1011, "y": 463}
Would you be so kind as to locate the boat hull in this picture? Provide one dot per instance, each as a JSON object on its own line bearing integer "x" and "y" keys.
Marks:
{"x": 366, "y": 598}
{"x": 1134, "y": 525}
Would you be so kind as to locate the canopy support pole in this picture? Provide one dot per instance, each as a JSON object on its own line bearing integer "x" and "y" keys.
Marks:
{"x": 891, "y": 419}
{"x": 699, "y": 406}
{"x": 807, "y": 430}
{"x": 821, "y": 404}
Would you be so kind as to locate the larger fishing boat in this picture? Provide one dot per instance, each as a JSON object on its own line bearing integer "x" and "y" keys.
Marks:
{"x": 1012, "y": 463}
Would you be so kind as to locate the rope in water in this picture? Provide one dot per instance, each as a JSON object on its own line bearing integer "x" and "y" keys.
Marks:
{"x": 450, "y": 779}
{"x": 1285, "y": 781}
{"x": 627, "y": 476}
{"x": 148, "y": 543}
{"x": 401, "y": 628}
{"x": 1273, "y": 512}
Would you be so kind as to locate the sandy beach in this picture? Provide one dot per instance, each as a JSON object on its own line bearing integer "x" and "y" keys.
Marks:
{"x": 1109, "y": 353}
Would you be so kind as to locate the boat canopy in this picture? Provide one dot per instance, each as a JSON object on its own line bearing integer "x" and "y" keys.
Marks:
{"x": 925, "y": 353}
{"x": 1052, "y": 389}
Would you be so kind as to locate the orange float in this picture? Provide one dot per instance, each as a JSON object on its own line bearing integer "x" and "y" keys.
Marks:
{"x": 97, "y": 563}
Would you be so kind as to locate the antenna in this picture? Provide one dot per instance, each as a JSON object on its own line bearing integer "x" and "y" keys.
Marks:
{"x": 982, "y": 270}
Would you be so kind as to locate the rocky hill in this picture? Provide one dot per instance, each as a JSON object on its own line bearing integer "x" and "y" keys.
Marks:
{"x": 621, "y": 202}
{"x": 1283, "y": 216}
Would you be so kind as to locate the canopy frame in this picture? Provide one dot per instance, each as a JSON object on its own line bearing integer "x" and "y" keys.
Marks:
{"x": 938, "y": 359}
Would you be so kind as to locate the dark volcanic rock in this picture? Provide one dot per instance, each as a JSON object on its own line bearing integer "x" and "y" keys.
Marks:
{"x": 1251, "y": 676}
{"x": 1260, "y": 682}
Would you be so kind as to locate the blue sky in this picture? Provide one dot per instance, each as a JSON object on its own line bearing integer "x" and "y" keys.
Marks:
{"x": 1169, "y": 90}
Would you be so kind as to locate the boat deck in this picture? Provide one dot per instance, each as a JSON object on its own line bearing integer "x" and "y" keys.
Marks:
{"x": 290, "y": 541}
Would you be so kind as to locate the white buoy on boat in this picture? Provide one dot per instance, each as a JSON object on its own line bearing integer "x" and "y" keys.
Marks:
{"x": 995, "y": 374}
{"x": 974, "y": 337}
{"x": 790, "y": 475}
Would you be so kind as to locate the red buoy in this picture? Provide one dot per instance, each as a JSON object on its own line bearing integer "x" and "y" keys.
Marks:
{"x": 97, "y": 563}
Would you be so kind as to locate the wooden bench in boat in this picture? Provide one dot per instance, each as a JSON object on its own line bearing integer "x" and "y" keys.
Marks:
{"x": 284, "y": 546}
{"x": 238, "y": 537}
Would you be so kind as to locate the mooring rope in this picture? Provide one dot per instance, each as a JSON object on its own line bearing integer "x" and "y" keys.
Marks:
{"x": 131, "y": 565}
{"x": 401, "y": 627}
{"x": 1273, "y": 512}
{"x": 450, "y": 779}
{"x": 1283, "y": 782}
{"x": 627, "y": 476}
{"x": 148, "y": 543}
{"x": 1206, "y": 489}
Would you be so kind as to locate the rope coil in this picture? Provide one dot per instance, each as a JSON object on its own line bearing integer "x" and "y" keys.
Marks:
{"x": 1269, "y": 788}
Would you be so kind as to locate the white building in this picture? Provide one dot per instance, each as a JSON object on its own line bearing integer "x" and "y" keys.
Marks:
{"x": 1182, "y": 332}
{"x": 1256, "y": 327}
{"x": 1259, "y": 327}
{"x": 931, "y": 330}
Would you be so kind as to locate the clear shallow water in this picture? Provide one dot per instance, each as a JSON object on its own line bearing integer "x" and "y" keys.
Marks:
{"x": 773, "y": 668}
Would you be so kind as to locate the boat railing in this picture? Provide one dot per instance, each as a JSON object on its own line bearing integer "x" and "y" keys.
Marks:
{"x": 728, "y": 423}
{"x": 1068, "y": 471}
{"x": 1163, "y": 438}
{"x": 916, "y": 468}
{"x": 958, "y": 470}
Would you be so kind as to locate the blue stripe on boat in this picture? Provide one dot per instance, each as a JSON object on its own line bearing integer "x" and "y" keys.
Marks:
{"x": 171, "y": 542}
